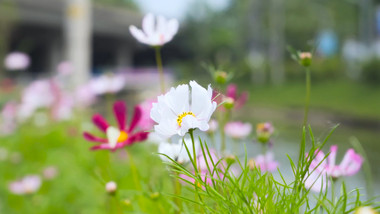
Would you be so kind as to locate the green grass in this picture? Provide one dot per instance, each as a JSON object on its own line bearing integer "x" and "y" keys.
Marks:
{"x": 80, "y": 184}
{"x": 343, "y": 97}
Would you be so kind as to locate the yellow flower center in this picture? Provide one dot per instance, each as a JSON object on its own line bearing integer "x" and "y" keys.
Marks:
{"x": 122, "y": 137}
{"x": 181, "y": 116}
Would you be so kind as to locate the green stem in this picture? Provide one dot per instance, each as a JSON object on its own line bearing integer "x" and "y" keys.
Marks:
{"x": 135, "y": 176}
{"x": 194, "y": 152}
{"x": 160, "y": 68}
{"x": 307, "y": 99}
{"x": 133, "y": 170}
{"x": 177, "y": 191}
{"x": 196, "y": 172}
{"x": 223, "y": 121}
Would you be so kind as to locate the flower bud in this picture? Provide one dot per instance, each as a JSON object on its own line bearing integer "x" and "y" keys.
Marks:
{"x": 229, "y": 103}
{"x": 220, "y": 77}
{"x": 264, "y": 131}
{"x": 230, "y": 159}
{"x": 154, "y": 195}
{"x": 305, "y": 58}
{"x": 251, "y": 164}
{"x": 111, "y": 187}
{"x": 127, "y": 202}
{"x": 365, "y": 210}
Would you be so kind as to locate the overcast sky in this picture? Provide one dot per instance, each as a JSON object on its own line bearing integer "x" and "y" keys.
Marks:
{"x": 174, "y": 8}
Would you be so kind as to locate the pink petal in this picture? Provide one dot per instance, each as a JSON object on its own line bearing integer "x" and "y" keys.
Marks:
{"x": 231, "y": 91}
{"x": 100, "y": 122}
{"x": 120, "y": 111}
{"x": 108, "y": 147}
{"x": 242, "y": 100}
{"x": 93, "y": 138}
{"x": 136, "y": 118}
{"x": 140, "y": 136}
{"x": 331, "y": 158}
{"x": 351, "y": 163}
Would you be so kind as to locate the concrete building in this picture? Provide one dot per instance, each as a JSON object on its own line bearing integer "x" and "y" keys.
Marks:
{"x": 41, "y": 31}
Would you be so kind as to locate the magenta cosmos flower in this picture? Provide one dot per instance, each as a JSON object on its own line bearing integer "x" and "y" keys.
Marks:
{"x": 155, "y": 34}
{"x": 117, "y": 137}
{"x": 239, "y": 100}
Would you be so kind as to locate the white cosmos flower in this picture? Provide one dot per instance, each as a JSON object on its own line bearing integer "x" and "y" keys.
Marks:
{"x": 176, "y": 113}
{"x": 155, "y": 34}
{"x": 177, "y": 150}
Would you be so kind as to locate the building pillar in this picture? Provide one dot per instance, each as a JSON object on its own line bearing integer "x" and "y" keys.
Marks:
{"x": 78, "y": 39}
{"x": 55, "y": 53}
{"x": 123, "y": 56}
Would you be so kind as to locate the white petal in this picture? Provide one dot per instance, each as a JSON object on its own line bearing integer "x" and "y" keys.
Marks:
{"x": 199, "y": 98}
{"x": 112, "y": 136}
{"x": 171, "y": 30}
{"x": 148, "y": 24}
{"x": 138, "y": 34}
{"x": 161, "y": 25}
{"x": 188, "y": 122}
{"x": 166, "y": 128}
{"x": 178, "y": 99}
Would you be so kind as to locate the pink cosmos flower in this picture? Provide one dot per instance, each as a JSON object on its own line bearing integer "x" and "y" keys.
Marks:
{"x": 17, "y": 61}
{"x": 39, "y": 94}
{"x": 155, "y": 34}
{"x": 349, "y": 166}
{"x": 238, "y": 130}
{"x": 202, "y": 162}
{"x": 65, "y": 68}
{"x": 239, "y": 101}
{"x": 8, "y": 118}
{"x": 117, "y": 137}
{"x": 322, "y": 168}
{"x": 316, "y": 181}
{"x": 50, "y": 172}
{"x": 84, "y": 95}
{"x": 63, "y": 108}
{"x": 26, "y": 185}
{"x": 266, "y": 162}
{"x": 146, "y": 123}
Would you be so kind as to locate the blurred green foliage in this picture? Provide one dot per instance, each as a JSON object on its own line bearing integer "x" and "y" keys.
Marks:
{"x": 371, "y": 71}
{"x": 226, "y": 38}
{"x": 82, "y": 174}
{"x": 130, "y": 4}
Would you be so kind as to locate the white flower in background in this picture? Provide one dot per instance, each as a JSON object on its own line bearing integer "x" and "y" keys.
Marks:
{"x": 177, "y": 150}
{"x": 111, "y": 187}
{"x": 155, "y": 34}
{"x": 176, "y": 113}
{"x": 17, "y": 61}
{"x": 107, "y": 84}
{"x": 27, "y": 185}
{"x": 213, "y": 125}
{"x": 238, "y": 130}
